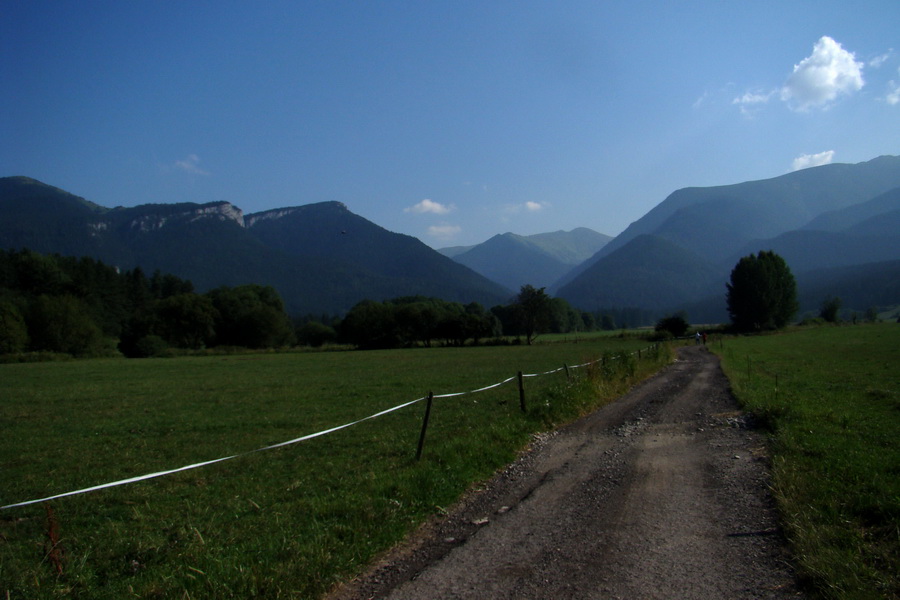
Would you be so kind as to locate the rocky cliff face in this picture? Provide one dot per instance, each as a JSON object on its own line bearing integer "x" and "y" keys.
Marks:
{"x": 221, "y": 210}
{"x": 269, "y": 215}
{"x": 311, "y": 209}
{"x": 154, "y": 220}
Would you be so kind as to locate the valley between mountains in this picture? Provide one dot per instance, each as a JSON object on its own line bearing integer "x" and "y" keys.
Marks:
{"x": 835, "y": 225}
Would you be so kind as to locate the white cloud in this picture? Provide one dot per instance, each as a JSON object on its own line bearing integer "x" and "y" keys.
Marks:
{"x": 821, "y": 77}
{"x": 752, "y": 100}
{"x": 701, "y": 100}
{"x": 528, "y": 206}
{"x": 191, "y": 165}
{"x": 812, "y": 160}
{"x": 430, "y": 206}
{"x": 880, "y": 60}
{"x": 893, "y": 95}
{"x": 444, "y": 232}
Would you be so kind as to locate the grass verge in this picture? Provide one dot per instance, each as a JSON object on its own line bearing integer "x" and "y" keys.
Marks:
{"x": 285, "y": 523}
{"x": 831, "y": 398}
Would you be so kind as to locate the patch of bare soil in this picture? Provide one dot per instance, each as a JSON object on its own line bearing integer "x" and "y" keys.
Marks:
{"x": 661, "y": 494}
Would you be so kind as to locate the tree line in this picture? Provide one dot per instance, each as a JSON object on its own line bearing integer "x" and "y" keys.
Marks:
{"x": 83, "y": 307}
{"x": 421, "y": 321}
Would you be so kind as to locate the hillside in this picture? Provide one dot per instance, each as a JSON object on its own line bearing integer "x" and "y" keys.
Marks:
{"x": 822, "y": 219}
{"x": 648, "y": 272}
{"x": 717, "y": 221}
{"x": 812, "y": 250}
{"x": 842, "y": 219}
{"x": 859, "y": 287}
{"x": 321, "y": 258}
{"x": 38, "y": 216}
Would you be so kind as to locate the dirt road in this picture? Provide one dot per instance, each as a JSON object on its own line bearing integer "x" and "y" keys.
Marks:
{"x": 661, "y": 494}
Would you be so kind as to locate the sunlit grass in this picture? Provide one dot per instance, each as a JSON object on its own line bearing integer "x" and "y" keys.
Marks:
{"x": 284, "y": 523}
{"x": 831, "y": 397}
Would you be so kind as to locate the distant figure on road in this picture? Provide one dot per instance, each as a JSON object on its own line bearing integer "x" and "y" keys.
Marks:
{"x": 697, "y": 338}
{"x": 704, "y": 338}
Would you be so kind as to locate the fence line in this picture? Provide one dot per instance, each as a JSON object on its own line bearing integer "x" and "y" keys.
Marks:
{"x": 282, "y": 444}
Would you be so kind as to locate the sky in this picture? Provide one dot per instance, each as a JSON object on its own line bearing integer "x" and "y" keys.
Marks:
{"x": 450, "y": 121}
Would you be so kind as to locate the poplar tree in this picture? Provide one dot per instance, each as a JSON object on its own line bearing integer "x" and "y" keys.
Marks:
{"x": 762, "y": 293}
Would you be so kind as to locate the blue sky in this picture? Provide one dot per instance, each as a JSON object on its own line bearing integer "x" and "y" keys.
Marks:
{"x": 448, "y": 121}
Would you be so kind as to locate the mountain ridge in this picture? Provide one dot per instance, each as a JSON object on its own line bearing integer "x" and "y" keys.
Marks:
{"x": 323, "y": 258}
{"x": 806, "y": 194}
{"x": 211, "y": 245}
{"x": 786, "y": 214}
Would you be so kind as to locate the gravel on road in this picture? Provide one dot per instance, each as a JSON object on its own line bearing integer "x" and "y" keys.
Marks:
{"x": 663, "y": 493}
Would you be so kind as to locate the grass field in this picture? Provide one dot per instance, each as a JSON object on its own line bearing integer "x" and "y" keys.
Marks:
{"x": 284, "y": 523}
{"x": 831, "y": 396}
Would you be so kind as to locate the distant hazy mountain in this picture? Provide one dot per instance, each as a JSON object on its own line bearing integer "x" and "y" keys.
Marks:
{"x": 821, "y": 219}
{"x": 453, "y": 251}
{"x": 570, "y": 247}
{"x": 539, "y": 260}
{"x": 321, "y": 258}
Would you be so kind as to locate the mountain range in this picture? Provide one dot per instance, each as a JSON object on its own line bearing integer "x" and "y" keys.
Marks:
{"x": 821, "y": 220}
{"x": 321, "y": 257}
{"x": 836, "y": 226}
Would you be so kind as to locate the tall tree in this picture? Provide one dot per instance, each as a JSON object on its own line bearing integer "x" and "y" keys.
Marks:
{"x": 370, "y": 324}
{"x": 63, "y": 324}
{"x": 762, "y": 293}
{"x": 187, "y": 320}
{"x": 13, "y": 329}
{"x": 534, "y": 310}
{"x": 830, "y": 309}
{"x": 251, "y": 316}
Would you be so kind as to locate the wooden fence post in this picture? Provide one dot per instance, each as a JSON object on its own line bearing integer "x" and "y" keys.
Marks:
{"x": 424, "y": 425}
{"x": 567, "y": 372}
{"x": 521, "y": 391}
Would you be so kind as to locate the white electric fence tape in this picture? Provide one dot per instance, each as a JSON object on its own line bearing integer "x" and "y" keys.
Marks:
{"x": 279, "y": 445}
{"x": 209, "y": 462}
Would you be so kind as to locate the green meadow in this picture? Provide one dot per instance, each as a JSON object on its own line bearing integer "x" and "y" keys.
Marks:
{"x": 830, "y": 396}
{"x": 287, "y": 522}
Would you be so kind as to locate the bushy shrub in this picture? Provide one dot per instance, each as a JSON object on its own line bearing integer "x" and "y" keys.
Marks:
{"x": 150, "y": 346}
{"x": 676, "y": 325}
{"x": 315, "y": 334}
